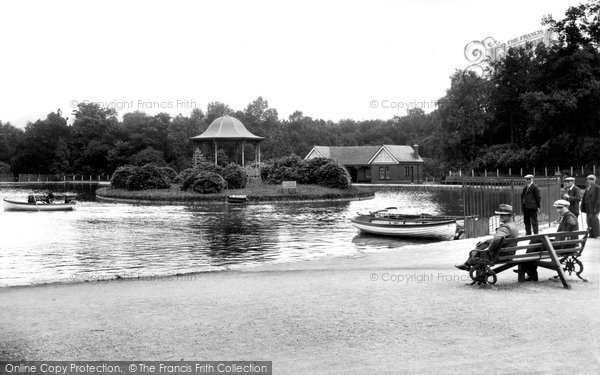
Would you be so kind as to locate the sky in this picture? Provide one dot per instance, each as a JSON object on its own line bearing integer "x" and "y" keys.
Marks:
{"x": 329, "y": 59}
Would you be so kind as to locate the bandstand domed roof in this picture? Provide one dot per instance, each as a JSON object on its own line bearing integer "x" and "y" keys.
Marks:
{"x": 227, "y": 128}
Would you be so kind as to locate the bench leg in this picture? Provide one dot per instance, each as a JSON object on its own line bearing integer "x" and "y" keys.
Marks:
{"x": 572, "y": 264}
{"x": 482, "y": 274}
{"x": 521, "y": 272}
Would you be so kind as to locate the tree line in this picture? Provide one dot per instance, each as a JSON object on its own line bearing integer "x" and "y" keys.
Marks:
{"x": 539, "y": 106}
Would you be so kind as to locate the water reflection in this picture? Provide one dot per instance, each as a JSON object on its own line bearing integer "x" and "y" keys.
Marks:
{"x": 102, "y": 240}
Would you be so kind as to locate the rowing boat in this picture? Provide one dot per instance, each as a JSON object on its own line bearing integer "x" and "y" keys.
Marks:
{"x": 390, "y": 223}
{"x": 24, "y": 206}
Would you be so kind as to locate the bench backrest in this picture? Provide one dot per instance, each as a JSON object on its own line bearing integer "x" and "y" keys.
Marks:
{"x": 532, "y": 247}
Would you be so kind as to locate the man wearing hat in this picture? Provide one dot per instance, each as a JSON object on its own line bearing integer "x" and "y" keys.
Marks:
{"x": 591, "y": 205}
{"x": 573, "y": 195}
{"x": 530, "y": 203}
{"x": 507, "y": 229}
{"x": 567, "y": 223}
{"x": 568, "y": 220}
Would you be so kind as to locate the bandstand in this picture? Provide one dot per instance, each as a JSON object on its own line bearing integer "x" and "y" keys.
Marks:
{"x": 226, "y": 129}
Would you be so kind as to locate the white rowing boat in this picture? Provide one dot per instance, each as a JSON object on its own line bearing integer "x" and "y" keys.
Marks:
{"x": 385, "y": 222}
{"x": 24, "y": 206}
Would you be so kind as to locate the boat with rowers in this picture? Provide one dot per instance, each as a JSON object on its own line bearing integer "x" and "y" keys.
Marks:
{"x": 36, "y": 203}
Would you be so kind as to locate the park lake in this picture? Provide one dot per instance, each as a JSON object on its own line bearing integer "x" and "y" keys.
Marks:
{"x": 104, "y": 240}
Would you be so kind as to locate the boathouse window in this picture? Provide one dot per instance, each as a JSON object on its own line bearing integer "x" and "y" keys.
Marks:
{"x": 384, "y": 173}
{"x": 368, "y": 173}
{"x": 406, "y": 171}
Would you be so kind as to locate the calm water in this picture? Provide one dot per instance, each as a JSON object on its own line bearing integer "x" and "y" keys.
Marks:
{"x": 102, "y": 240}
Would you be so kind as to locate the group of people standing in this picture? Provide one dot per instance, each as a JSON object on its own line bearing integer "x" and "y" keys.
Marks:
{"x": 567, "y": 208}
{"x": 589, "y": 199}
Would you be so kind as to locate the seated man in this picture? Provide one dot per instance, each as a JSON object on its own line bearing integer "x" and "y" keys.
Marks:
{"x": 567, "y": 220}
{"x": 507, "y": 229}
{"x": 567, "y": 223}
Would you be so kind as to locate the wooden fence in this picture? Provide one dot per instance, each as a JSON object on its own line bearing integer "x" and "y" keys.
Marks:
{"x": 22, "y": 177}
{"x": 482, "y": 199}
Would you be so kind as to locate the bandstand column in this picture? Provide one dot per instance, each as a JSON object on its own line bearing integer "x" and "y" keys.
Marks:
{"x": 243, "y": 142}
{"x": 215, "y": 152}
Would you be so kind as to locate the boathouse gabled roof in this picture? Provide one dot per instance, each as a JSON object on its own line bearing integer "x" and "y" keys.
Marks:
{"x": 227, "y": 128}
{"x": 365, "y": 155}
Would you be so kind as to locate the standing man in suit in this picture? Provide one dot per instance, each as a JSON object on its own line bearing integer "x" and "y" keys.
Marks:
{"x": 591, "y": 205}
{"x": 530, "y": 203}
{"x": 573, "y": 195}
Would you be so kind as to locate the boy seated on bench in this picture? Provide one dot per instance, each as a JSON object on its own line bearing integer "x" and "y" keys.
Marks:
{"x": 507, "y": 229}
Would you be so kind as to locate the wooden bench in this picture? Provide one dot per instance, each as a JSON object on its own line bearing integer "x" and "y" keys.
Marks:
{"x": 288, "y": 187}
{"x": 556, "y": 251}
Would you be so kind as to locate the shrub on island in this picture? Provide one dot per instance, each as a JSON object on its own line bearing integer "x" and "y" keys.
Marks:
{"x": 188, "y": 176}
{"x": 147, "y": 177}
{"x": 207, "y": 183}
{"x": 308, "y": 170}
{"x": 333, "y": 175}
{"x": 319, "y": 171}
{"x": 169, "y": 173}
{"x": 121, "y": 176}
{"x": 286, "y": 168}
{"x": 235, "y": 176}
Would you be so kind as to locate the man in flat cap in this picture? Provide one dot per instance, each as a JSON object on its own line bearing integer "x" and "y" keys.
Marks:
{"x": 567, "y": 220}
{"x": 507, "y": 229}
{"x": 530, "y": 203}
{"x": 573, "y": 195}
{"x": 591, "y": 205}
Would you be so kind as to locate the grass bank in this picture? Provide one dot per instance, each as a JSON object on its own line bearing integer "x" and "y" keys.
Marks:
{"x": 255, "y": 193}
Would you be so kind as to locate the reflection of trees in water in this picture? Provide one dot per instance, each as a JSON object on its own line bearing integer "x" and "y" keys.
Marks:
{"x": 236, "y": 234}
{"x": 231, "y": 234}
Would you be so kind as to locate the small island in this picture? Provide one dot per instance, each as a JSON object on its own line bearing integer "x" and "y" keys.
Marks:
{"x": 254, "y": 194}
{"x": 286, "y": 179}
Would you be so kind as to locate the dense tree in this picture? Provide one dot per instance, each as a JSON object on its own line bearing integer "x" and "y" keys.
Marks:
{"x": 539, "y": 107}
{"x": 43, "y": 146}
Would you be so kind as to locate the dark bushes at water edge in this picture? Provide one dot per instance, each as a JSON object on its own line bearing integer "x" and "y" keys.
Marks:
{"x": 333, "y": 175}
{"x": 235, "y": 176}
{"x": 308, "y": 170}
{"x": 169, "y": 173}
{"x": 188, "y": 176}
{"x": 320, "y": 171}
{"x": 121, "y": 176}
{"x": 282, "y": 169}
{"x": 208, "y": 182}
{"x": 147, "y": 177}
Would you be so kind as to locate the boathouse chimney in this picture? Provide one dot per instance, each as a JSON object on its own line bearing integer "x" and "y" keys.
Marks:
{"x": 416, "y": 148}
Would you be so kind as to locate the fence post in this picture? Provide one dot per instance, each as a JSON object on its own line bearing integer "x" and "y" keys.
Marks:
{"x": 534, "y": 171}
{"x": 571, "y": 171}
{"x": 521, "y": 172}
{"x": 497, "y": 172}
{"x": 546, "y": 171}
{"x": 472, "y": 173}
{"x": 486, "y": 173}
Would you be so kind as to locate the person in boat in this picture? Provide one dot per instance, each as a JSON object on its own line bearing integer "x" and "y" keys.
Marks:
{"x": 507, "y": 229}
{"x": 49, "y": 197}
{"x": 30, "y": 199}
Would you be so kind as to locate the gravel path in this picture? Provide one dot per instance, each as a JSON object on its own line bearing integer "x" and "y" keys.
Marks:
{"x": 407, "y": 310}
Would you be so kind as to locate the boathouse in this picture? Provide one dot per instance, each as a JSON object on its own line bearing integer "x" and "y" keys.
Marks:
{"x": 226, "y": 130}
{"x": 385, "y": 164}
